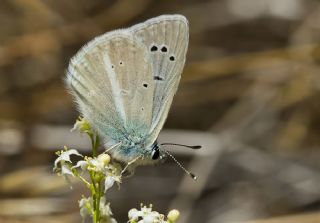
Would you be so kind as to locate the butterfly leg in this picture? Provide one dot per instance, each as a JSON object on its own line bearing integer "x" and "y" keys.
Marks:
{"x": 130, "y": 173}
{"x": 131, "y": 162}
{"x": 112, "y": 147}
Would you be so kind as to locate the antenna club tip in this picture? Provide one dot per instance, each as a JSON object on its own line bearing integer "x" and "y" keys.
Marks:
{"x": 194, "y": 177}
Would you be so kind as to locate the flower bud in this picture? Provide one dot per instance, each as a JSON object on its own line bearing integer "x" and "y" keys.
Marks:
{"x": 104, "y": 158}
{"x": 173, "y": 215}
{"x": 82, "y": 125}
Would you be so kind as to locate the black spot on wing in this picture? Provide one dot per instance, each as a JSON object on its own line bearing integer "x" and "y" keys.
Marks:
{"x": 164, "y": 49}
{"x": 158, "y": 78}
{"x": 153, "y": 48}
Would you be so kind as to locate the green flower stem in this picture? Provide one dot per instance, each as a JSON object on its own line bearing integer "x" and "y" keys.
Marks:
{"x": 95, "y": 195}
{"x": 95, "y": 142}
{"x": 95, "y": 186}
{"x": 98, "y": 199}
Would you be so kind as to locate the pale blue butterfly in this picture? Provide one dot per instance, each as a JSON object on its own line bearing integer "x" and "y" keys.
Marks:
{"x": 124, "y": 82}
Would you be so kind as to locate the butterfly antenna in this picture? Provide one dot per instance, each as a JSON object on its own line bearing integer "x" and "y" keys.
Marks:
{"x": 193, "y": 176}
{"x": 176, "y": 144}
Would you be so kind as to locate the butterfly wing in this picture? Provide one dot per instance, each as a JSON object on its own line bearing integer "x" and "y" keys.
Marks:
{"x": 166, "y": 37}
{"x": 111, "y": 82}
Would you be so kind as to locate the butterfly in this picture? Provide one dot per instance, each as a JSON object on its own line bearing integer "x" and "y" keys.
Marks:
{"x": 124, "y": 82}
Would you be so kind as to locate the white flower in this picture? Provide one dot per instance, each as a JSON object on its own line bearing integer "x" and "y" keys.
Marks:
{"x": 134, "y": 214}
{"x": 65, "y": 155}
{"x": 63, "y": 164}
{"x": 86, "y": 209}
{"x": 96, "y": 165}
{"x": 105, "y": 212}
{"x": 108, "y": 183}
{"x": 146, "y": 215}
{"x": 82, "y": 125}
{"x": 105, "y": 209}
{"x": 85, "y": 205}
{"x": 82, "y": 164}
{"x": 110, "y": 179}
{"x": 102, "y": 165}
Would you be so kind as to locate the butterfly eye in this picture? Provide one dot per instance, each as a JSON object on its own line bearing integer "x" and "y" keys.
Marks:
{"x": 155, "y": 154}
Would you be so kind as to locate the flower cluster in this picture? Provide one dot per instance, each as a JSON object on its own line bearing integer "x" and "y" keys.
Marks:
{"x": 86, "y": 209}
{"x": 63, "y": 164}
{"x": 146, "y": 215}
{"x": 103, "y": 174}
{"x": 99, "y": 174}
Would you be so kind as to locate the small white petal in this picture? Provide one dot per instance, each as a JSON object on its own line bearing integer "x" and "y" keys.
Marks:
{"x": 108, "y": 183}
{"x": 112, "y": 220}
{"x": 84, "y": 211}
{"x": 73, "y": 152}
{"x": 59, "y": 159}
{"x": 134, "y": 214}
{"x": 105, "y": 210}
{"x": 149, "y": 219}
{"x": 76, "y": 126}
{"x": 83, "y": 202}
{"x": 82, "y": 163}
{"x": 154, "y": 214}
{"x": 65, "y": 156}
{"x": 65, "y": 169}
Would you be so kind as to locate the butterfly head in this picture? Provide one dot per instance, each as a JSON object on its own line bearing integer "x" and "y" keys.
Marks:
{"x": 156, "y": 153}
{"x": 137, "y": 153}
{"x": 148, "y": 155}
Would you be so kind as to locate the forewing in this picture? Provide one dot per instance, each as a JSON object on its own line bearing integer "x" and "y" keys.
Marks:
{"x": 166, "y": 38}
{"x": 110, "y": 79}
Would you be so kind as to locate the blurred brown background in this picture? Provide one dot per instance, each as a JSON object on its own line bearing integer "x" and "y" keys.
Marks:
{"x": 249, "y": 94}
